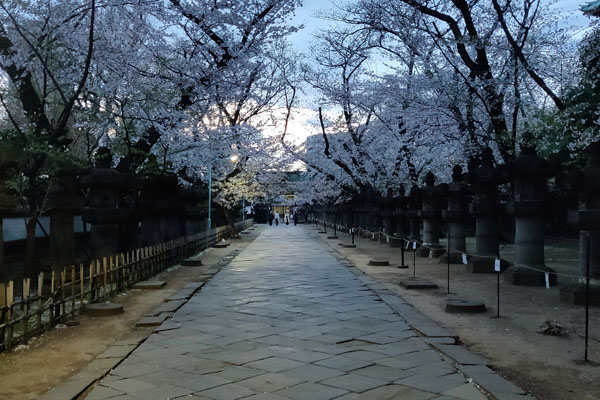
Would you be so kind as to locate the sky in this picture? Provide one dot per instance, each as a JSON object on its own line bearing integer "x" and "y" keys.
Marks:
{"x": 304, "y": 118}
{"x": 569, "y": 9}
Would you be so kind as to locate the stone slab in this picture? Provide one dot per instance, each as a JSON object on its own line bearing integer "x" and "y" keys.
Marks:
{"x": 151, "y": 321}
{"x": 460, "y": 354}
{"x": 103, "y": 309}
{"x": 150, "y": 285}
{"x": 379, "y": 262}
{"x": 417, "y": 283}
{"x": 191, "y": 262}
{"x": 458, "y": 306}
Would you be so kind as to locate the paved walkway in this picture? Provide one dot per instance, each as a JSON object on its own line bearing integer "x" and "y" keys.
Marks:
{"x": 286, "y": 320}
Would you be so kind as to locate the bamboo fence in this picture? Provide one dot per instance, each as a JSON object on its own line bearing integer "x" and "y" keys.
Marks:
{"x": 58, "y": 296}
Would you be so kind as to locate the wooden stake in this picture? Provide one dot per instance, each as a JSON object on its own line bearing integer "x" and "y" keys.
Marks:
{"x": 81, "y": 277}
{"x": 38, "y": 327}
{"x": 10, "y": 296}
{"x": 105, "y": 270}
{"x": 26, "y": 287}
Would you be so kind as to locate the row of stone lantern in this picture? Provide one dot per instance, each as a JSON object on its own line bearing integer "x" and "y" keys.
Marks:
{"x": 123, "y": 211}
{"x": 402, "y": 216}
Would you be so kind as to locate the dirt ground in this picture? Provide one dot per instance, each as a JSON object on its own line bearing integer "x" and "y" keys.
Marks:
{"x": 548, "y": 367}
{"x": 44, "y": 362}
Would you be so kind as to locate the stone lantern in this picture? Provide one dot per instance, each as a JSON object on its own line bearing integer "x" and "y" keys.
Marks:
{"x": 456, "y": 215}
{"x": 64, "y": 203}
{"x": 415, "y": 202}
{"x": 102, "y": 210}
{"x": 529, "y": 174}
{"x": 484, "y": 179}
{"x": 400, "y": 216}
{"x": 159, "y": 208}
{"x": 431, "y": 214}
{"x": 10, "y": 158}
{"x": 387, "y": 215}
{"x": 588, "y": 185}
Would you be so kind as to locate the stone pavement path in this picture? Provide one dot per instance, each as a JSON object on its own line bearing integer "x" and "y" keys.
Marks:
{"x": 285, "y": 320}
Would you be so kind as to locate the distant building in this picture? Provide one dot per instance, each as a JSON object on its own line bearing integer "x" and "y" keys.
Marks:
{"x": 592, "y": 8}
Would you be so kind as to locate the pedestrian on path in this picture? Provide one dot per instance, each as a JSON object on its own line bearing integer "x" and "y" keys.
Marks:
{"x": 276, "y": 218}
{"x": 271, "y": 217}
{"x": 295, "y": 218}
{"x": 287, "y": 217}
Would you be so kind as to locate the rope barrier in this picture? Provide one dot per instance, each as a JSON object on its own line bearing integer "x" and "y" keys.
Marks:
{"x": 422, "y": 244}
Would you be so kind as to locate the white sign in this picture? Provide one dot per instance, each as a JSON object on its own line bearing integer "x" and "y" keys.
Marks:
{"x": 464, "y": 258}
{"x": 547, "y": 275}
{"x": 414, "y": 245}
{"x": 497, "y": 265}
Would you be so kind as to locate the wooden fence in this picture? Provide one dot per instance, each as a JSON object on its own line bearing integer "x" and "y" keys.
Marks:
{"x": 56, "y": 297}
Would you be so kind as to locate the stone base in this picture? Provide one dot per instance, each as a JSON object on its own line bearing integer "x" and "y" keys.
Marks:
{"x": 521, "y": 276}
{"x": 103, "y": 309}
{"x": 332, "y": 237}
{"x": 149, "y": 285}
{"x": 575, "y": 294}
{"x": 455, "y": 258}
{"x": 191, "y": 262}
{"x": 465, "y": 307}
{"x": 322, "y": 232}
{"x": 379, "y": 263}
{"x": 417, "y": 283}
{"x": 485, "y": 265}
{"x": 396, "y": 243}
{"x": 430, "y": 251}
{"x": 349, "y": 246}
{"x": 220, "y": 245}
{"x": 402, "y": 266}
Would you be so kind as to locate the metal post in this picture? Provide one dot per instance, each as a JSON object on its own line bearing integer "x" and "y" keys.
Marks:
{"x": 209, "y": 222}
{"x": 498, "y": 284}
{"x": 414, "y": 260}
{"x": 243, "y": 208}
{"x": 448, "y": 257}
{"x": 352, "y": 230}
{"x": 402, "y": 253}
{"x": 587, "y": 296}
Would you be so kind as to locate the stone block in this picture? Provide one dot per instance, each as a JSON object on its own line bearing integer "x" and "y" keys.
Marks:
{"x": 103, "y": 309}
{"x": 465, "y": 307}
{"x": 150, "y": 285}
{"x": 417, "y": 283}
{"x": 575, "y": 294}
{"x": 522, "y": 276}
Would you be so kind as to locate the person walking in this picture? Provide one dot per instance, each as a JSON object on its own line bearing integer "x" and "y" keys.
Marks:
{"x": 276, "y": 216}
{"x": 287, "y": 217}
{"x": 271, "y": 217}
{"x": 295, "y": 218}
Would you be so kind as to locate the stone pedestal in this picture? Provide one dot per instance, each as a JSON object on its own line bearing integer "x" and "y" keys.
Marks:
{"x": 387, "y": 216}
{"x": 102, "y": 209}
{"x": 456, "y": 216}
{"x": 431, "y": 214}
{"x": 62, "y": 238}
{"x": 587, "y": 184}
{"x": 401, "y": 226}
{"x": 484, "y": 177}
{"x": 529, "y": 173}
{"x": 159, "y": 209}
{"x": 415, "y": 202}
{"x": 10, "y": 158}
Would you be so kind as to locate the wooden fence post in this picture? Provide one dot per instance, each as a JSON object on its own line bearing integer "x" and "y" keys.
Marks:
{"x": 26, "y": 287}
{"x": 39, "y": 303}
{"x": 10, "y": 296}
